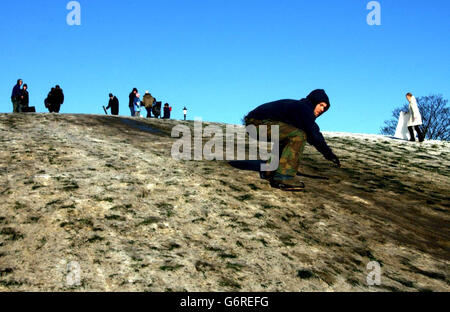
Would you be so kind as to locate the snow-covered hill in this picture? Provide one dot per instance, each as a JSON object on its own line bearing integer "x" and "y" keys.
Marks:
{"x": 101, "y": 198}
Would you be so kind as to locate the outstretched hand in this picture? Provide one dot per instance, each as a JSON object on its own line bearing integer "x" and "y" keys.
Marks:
{"x": 336, "y": 161}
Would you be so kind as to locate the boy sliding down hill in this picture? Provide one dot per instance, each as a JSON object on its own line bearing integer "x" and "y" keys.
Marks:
{"x": 297, "y": 125}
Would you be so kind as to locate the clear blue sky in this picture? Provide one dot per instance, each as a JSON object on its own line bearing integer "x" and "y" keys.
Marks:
{"x": 222, "y": 58}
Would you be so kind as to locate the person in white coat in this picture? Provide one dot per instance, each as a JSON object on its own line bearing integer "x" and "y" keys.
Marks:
{"x": 415, "y": 119}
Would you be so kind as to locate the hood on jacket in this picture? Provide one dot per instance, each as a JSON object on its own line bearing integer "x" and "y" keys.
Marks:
{"x": 318, "y": 96}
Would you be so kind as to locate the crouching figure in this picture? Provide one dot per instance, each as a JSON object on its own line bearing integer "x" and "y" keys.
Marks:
{"x": 296, "y": 120}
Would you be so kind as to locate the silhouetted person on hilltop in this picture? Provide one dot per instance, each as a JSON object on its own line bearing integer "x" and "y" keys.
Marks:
{"x": 137, "y": 105}
{"x": 415, "y": 119}
{"x": 297, "y": 125}
{"x": 58, "y": 99}
{"x": 48, "y": 100}
{"x": 24, "y": 99}
{"x": 113, "y": 104}
{"x": 148, "y": 100}
{"x": 54, "y": 99}
{"x": 167, "y": 110}
{"x": 156, "y": 110}
{"x": 131, "y": 97}
{"x": 15, "y": 96}
{"x": 185, "y": 112}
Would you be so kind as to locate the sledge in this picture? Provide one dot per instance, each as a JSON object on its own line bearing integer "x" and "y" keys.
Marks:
{"x": 402, "y": 127}
{"x": 30, "y": 109}
{"x": 402, "y": 131}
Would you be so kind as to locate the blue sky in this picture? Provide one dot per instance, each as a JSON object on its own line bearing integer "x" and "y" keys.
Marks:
{"x": 222, "y": 58}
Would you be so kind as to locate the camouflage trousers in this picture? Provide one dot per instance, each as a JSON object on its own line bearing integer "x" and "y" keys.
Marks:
{"x": 292, "y": 144}
{"x": 16, "y": 105}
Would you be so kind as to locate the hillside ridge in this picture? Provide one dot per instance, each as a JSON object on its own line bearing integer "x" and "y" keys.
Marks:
{"x": 103, "y": 194}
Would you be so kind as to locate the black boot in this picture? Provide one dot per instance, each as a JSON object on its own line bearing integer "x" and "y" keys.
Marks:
{"x": 266, "y": 175}
{"x": 411, "y": 134}
{"x": 420, "y": 134}
{"x": 286, "y": 183}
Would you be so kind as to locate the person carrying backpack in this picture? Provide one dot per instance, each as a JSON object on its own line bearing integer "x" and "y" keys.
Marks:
{"x": 148, "y": 103}
{"x": 57, "y": 99}
{"x": 49, "y": 100}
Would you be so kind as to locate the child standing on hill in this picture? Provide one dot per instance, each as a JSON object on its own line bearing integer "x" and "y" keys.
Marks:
{"x": 137, "y": 105}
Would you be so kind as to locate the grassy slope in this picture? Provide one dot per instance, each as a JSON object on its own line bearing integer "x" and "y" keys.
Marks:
{"x": 105, "y": 192}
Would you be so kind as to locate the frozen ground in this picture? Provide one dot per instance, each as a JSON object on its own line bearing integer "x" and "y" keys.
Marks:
{"x": 104, "y": 195}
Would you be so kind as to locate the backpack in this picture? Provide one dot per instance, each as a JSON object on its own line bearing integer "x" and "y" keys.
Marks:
{"x": 156, "y": 109}
{"x": 148, "y": 100}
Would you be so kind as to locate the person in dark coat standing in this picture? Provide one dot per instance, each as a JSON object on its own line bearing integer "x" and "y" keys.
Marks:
{"x": 167, "y": 110}
{"x": 156, "y": 109}
{"x": 297, "y": 125}
{"x": 49, "y": 99}
{"x": 24, "y": 98}
{"x": 15, "y": 96}
{"x": 57, "y": 99}
{"x": 132, "y": 96}
{"x": 113, "y": 104}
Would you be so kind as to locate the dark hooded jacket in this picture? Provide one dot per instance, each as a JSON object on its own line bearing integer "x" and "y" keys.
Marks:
{"x": 114, "y": 105}
{"x": 131, "y": 97}
{"x": 16, "y": 92}
{"x": 299, "y": 114}
{"x": 25, "y": 100}
{"x": 166, "y": 112}
{"x": 156, "y": 109}
{"x": 58, "y": 96}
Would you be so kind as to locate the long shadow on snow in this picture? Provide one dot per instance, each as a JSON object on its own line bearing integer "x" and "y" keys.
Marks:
{"x": 255, "y": 165}
{"x": 141, "y": 126}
